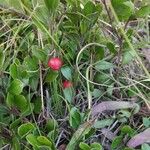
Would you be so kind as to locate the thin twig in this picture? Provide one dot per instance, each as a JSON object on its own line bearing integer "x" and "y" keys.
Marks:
{"x": 41, "y": 76}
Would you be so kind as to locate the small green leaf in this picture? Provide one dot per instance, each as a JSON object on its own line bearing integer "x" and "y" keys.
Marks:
{"x": 37, "y": 105}
{"x": 67, "y": 72}
{"x": 126, "y": 129}
{"x": 21, "y": 102}
{"x": 31, "y": 63}
{"x": 32, "y": 140}
{"x": 68, "y": 93}
{"x": 96, "y": 146}
{"x": 145, "y": 147}
{"x": 9, "y": 99}
{"x": 51, "y": 4}
{"x": 110, "y": 89}
{"x": 75, "y": 117}
{"x": 143, "y": 11}
{"x": 89, "y": 8}
{"x": 15, "y": 123}
{"x": 77, "y": 136}
{"x": 103, "y": 123}
{"x": 13, "y": 71}
{"x": 25, "y": 129}
{"x": 127, "y": 57}
{"x": 51, "y": 76}
{"x": 16, "y": 144}
{"x": 123, "y": 9}
{"x": 16, "y": 87}
{"x": 111, "y": 47}
{"x": 84, "y": 146}
{"x": 44, "y": 141}
{"x": 116, "y": 142}
{"x": 99, "y": 52}
{"x": 51, "y": 125}
{"x": 146, "y": 122}
{"x": 39, "y": 54}
{"x": 97, "y": 93}
{"x": 103, "y": 78}
{"x": 103, "y": 65}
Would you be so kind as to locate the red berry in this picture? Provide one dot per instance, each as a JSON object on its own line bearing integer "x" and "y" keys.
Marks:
{"x": 55, "y": 63}
{"x": 67, "y": 84}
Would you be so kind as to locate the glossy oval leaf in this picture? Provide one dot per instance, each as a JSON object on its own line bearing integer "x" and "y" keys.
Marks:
{"x": 67, "y": 72}
{"x": 104, "y": 65}
{"x": 84, "y": 146}
{"x": 44, "y": 141}
{"x": 16, "y": 87}
{"x": 51, "y": 4}
{"x": 143, "y": 11}
{"x": 25, "y": 129}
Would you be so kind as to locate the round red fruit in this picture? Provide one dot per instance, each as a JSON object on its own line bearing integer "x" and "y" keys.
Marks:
{"x": 67, "y": 84}
{"x": 55, "y": 63}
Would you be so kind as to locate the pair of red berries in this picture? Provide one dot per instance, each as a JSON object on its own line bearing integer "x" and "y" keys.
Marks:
{"x": 55, "y": 64}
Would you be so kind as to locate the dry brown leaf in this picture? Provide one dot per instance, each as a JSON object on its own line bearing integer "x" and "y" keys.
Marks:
{"x": 112, "y": 105}
{"x": 139, "y": 139}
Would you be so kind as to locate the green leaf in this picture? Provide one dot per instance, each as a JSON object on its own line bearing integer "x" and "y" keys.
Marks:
{"x": 16, "y": 144}
{"x": 104, "y": 65}
{"x": 75, "y": 117}
{"x": 146, "y": 122}
{"x": 32, "y": 140}
{"x": 16, "y": 87}
{"x": 67, "y": 72}
{"x": 123, "y": 9}
{"x": 116, "y": 142}
{"x": 51, "y": 4}
{"x": 9, "y": 99}
{"x": 124, "y": 113}
{"x": 51, "y": 125}
{"x": 21, "y": 102}
{"x": 28, "y": 110}
{"x": 37, "y": 105}
{"x": 13, "y": 71}
{"x": 111, "y": 47}
{"x": 103, "y": 123}
{"x": 44, "y": 141}
{"x": 89, "y": 8}
{"x": 51, "y": 76}
{"x": 110, "y": 89}
{"x": 127, "y": 57}
{"x": 39, "y": 53}
{"x": 84, "y": 146}
{"x": 31, "y": 63}
{"x": 25, "y": 129}
{"x": 99, "y": 52}
{"x": 53, "y": 135}
{"x": 77, "y": 136}
{"x": 145, "y": 147}
{"x": 143, "y": 11}
{"x": 2, "y": 59}
{"x": 97, "y": 93}
{"x": 68, "y": 93}
{"x": 96, "y": 146}
{"x": 126, "y": 129}
{"x": 14, "y": 124}
{"x": 103, "y": 78}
